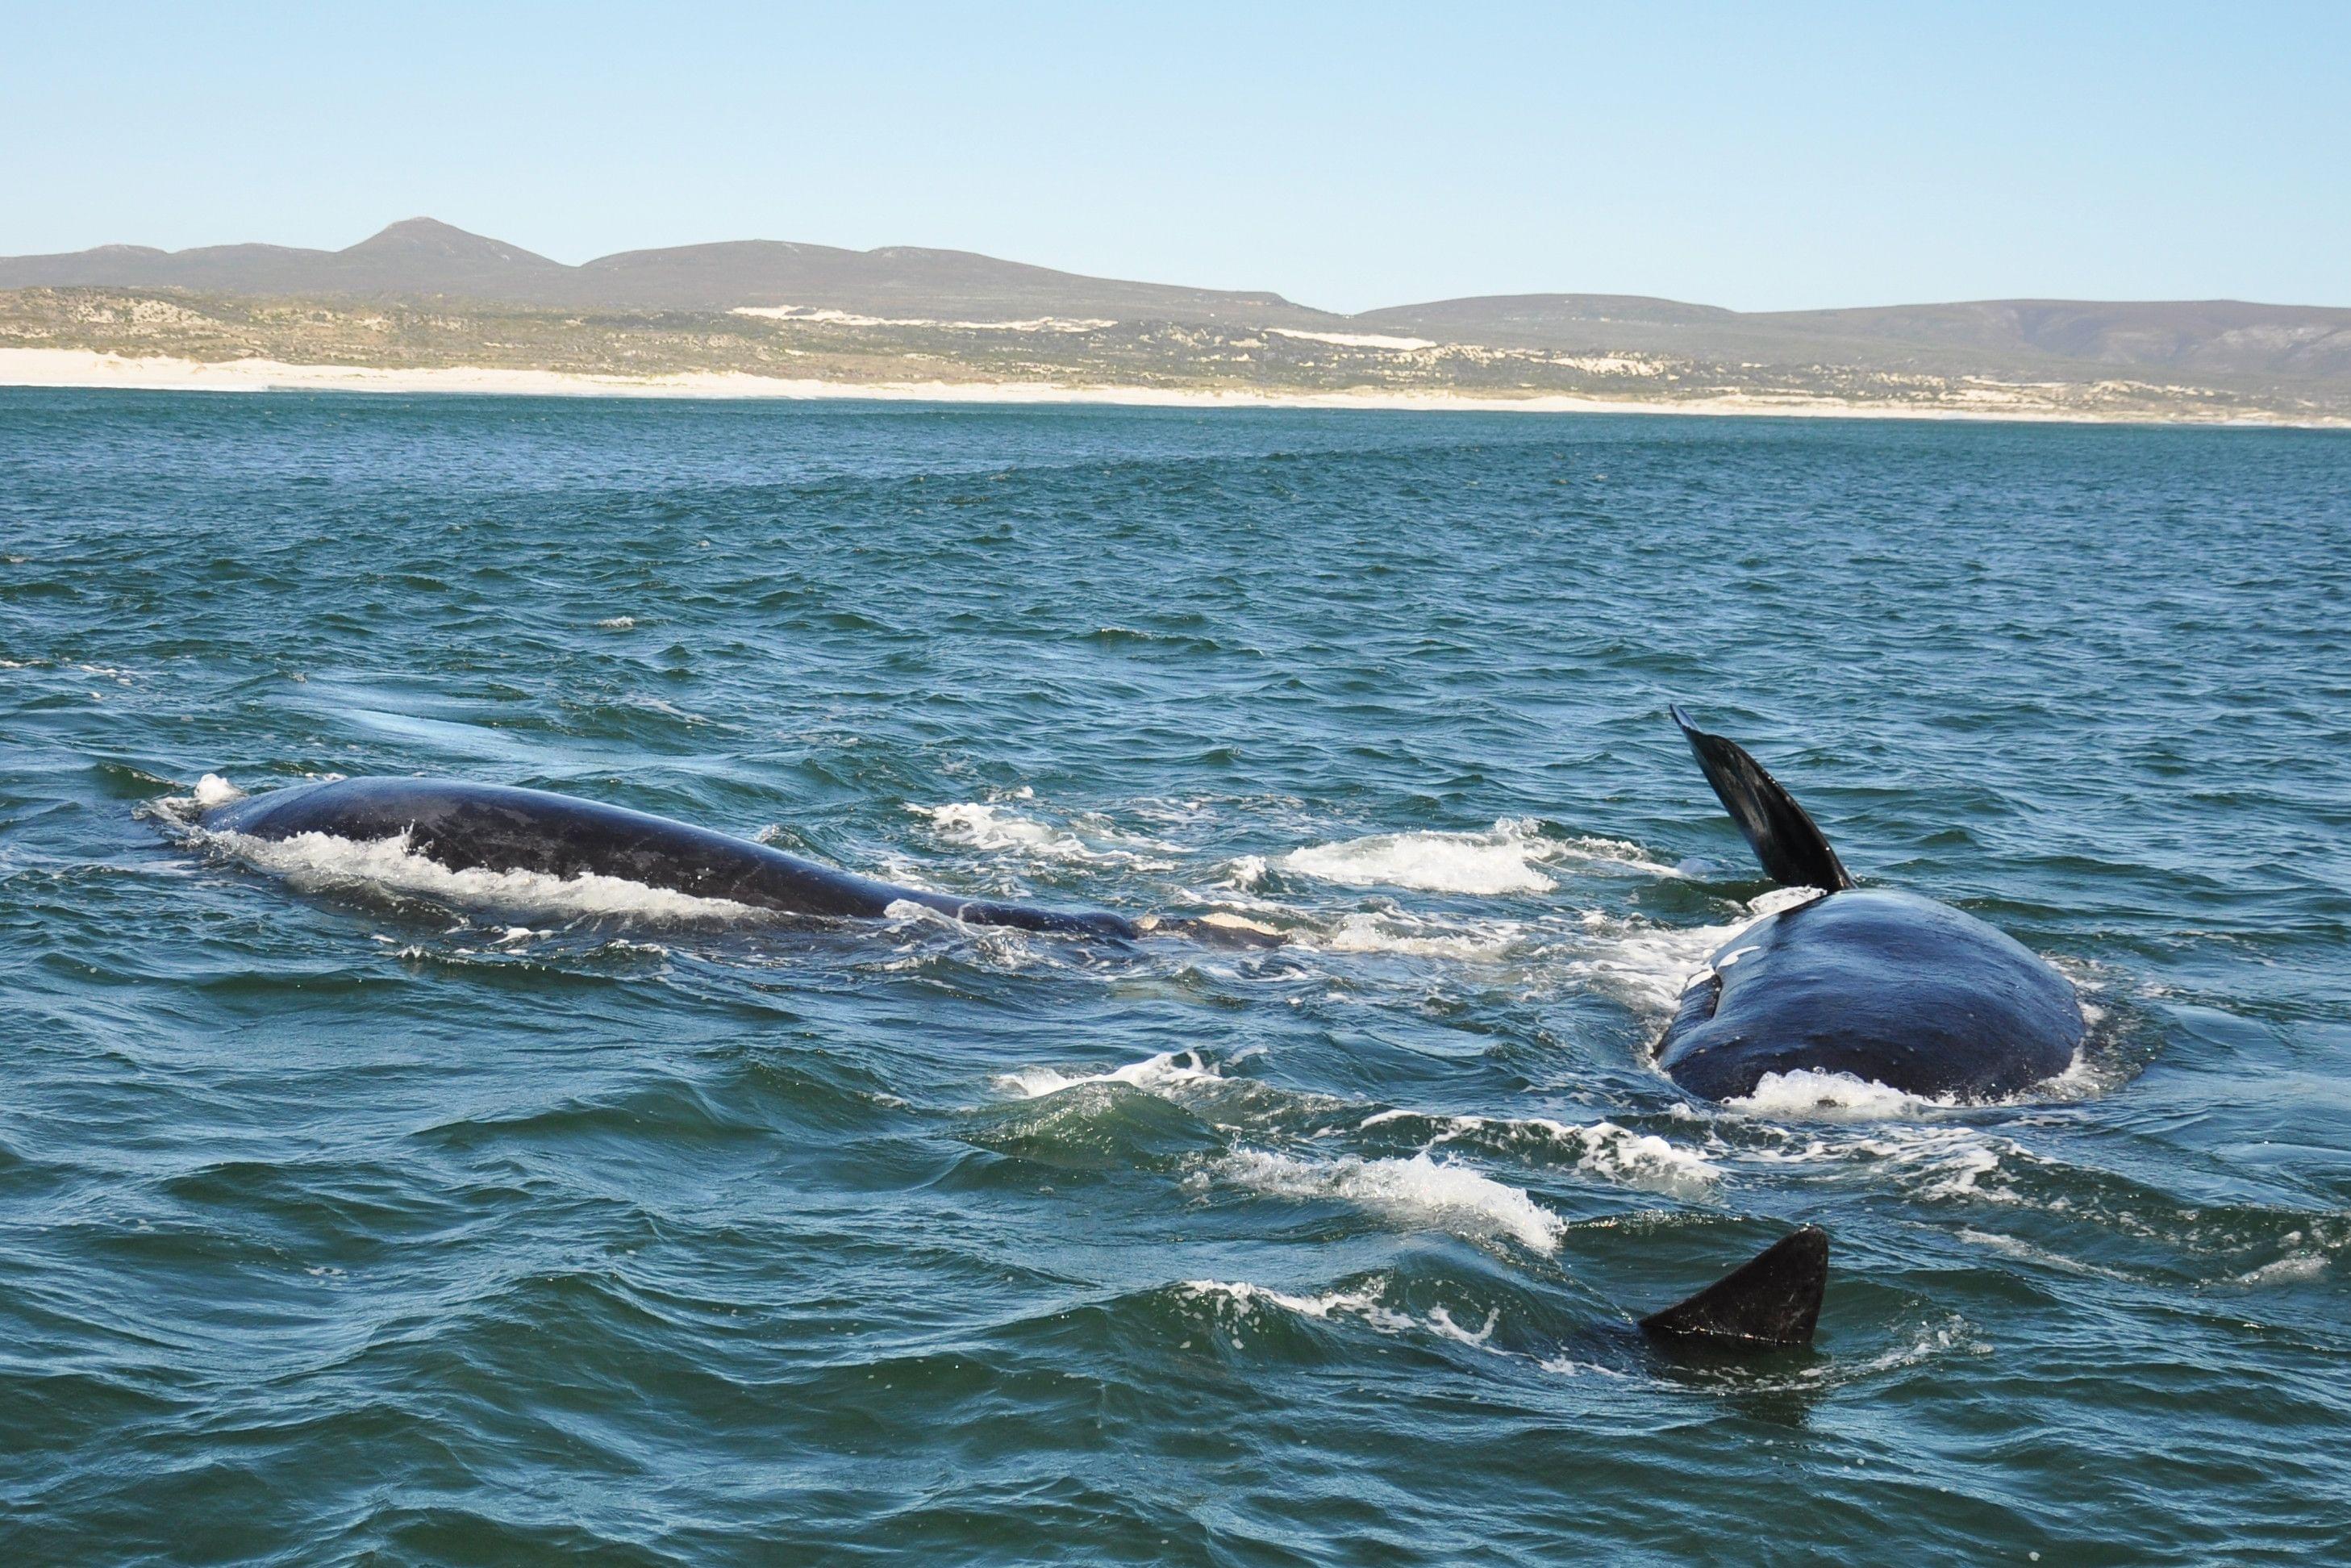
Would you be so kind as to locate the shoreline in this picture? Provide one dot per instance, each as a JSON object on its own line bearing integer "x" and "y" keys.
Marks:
{"x": 62, "y": 369}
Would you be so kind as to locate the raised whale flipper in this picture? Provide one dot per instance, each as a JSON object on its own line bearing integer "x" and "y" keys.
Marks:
{"x": 1772, "y": 1300}
{"x": 1792, "y": 848}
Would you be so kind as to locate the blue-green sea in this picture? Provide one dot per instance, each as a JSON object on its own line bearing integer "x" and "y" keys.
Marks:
{"x": 351, "y": 1216}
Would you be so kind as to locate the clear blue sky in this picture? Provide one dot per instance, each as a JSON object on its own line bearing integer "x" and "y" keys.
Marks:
{"x": 1758, "y": 156}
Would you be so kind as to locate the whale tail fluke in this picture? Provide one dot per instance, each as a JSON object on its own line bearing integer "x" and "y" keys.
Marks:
{"x": 1770, "y": 1302}
{"x": 1791, "y": 847}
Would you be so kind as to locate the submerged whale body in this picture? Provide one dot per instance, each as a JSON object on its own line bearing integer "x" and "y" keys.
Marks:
{"x": 464, "y": 825}
{"x": 1883, "y": 985}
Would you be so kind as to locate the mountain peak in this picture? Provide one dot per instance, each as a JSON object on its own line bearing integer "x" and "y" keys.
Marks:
{"x": 431, "y": 237}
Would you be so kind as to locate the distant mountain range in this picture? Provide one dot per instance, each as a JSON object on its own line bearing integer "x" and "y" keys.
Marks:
{"x": 422, "y": 257}
{"x": 2226, "y": 337}
{"x": 2227, "y": 341}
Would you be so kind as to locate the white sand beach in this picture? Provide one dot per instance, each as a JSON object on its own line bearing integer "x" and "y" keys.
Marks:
{"x": 88, "y": 368}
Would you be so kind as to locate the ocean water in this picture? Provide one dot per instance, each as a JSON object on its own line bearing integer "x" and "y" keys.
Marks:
{"x": 348, "y": 1214}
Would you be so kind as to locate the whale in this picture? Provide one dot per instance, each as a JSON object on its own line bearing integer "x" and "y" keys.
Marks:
{"x": 1771, "y": 1302}
{"x": 463, "y": 826}
{"x": 1878, "y": 983}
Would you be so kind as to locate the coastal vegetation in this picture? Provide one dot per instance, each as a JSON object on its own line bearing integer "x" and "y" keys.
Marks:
{"x": 853, "y": 350}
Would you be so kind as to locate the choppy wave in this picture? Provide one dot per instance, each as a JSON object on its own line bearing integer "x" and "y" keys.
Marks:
{"x": 1601, "y": 1148}
{"x": 1249, "y": 1109}
{"x": 1233, "y": 1302}
{"x": 1167, "y": 1071}
{"x": 1418, "y": 1191}
{"x": 540, "y": 1209}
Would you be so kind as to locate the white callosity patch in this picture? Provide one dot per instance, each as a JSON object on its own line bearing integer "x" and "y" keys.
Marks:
{"x": 323, "y": 859}
{"x": 1418, "y": 1191}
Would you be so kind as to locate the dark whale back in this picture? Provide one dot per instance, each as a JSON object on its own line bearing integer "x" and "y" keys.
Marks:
{"x": 1883, "y": 985}
{"x": 466, "y": 826}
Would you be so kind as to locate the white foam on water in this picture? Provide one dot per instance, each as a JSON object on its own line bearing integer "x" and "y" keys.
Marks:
{"x": 1366, "y": 1303}
{"x": 1948, "y": 1162}
{"x": 212, "y": 790}
{"x": 324, "y": 860}
{"x": 1931, "y": 1340}
{"x": 1644, "y": 966}
{"x": 1568, "y": 1366}
{"x": 1637, "y": 1159}
{"x": 1418, "y": 1191}
{"x": 1501, "y": 860}
{"x": 2084, "y": 1079}
{"x": 2016, "y": 1247}
{"x": 619, "y": 623}
{"x": 1622, "y": 854}
{"x": 1650, "y": 966}
{"x": 1842, "y": 1120}
{"x": 1168, "y": 1070}
{"x": 1440, "y": 1323}
{"x": 1603, "y": 1148}
{"x": 1807, "y": 1095}
{"x": 1001, "y": 947}
{"x": 1416, "y": 937}
{"x": 2293, "y": 1267}
{"x": 993, "y": 826}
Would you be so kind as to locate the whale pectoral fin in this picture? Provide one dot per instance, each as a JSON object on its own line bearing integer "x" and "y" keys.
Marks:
{"x": 1793, "y": 852}
{"x": 1772, "y": 1301}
